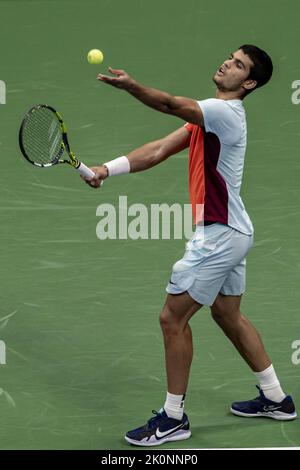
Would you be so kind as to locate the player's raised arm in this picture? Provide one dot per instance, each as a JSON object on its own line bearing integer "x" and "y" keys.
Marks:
{"x": 184, "y": 108}
{"x": 142, "y": 158}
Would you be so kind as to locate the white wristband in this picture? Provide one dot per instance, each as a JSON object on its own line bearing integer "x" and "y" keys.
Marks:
{"x": 118, "y": 166}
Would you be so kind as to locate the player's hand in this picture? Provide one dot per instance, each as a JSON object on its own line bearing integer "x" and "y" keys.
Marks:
{"x": 101, "y": 173}
{"x": 120, "y": 79}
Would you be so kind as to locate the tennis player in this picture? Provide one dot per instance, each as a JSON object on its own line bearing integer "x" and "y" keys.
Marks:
{"x": 212, "y": 270}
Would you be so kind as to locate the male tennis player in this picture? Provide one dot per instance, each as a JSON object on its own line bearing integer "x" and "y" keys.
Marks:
{"x": 212, "y": 271}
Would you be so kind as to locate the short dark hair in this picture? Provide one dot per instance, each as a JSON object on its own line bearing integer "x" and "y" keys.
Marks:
{"x": 262, "y": 69}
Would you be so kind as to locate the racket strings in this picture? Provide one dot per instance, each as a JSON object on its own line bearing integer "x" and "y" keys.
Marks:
{"x": 42, "y": 137}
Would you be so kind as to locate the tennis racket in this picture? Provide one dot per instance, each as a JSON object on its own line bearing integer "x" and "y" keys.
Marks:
{"x": 43, "y": 140}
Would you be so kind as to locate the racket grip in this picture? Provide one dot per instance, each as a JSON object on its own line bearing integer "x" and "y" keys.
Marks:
{"x": 85, "y": 171}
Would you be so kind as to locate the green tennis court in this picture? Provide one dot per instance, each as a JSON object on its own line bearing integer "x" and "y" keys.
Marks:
{"x": 79, "y": 315}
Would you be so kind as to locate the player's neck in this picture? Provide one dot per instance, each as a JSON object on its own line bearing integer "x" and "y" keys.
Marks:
{"x": 228, "y": 95}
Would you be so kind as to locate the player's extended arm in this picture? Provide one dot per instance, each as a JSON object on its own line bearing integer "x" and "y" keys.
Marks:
{"x": 144, "y": 157}
{"x": 156, "y": 152}
{"x": 184, "y": 108}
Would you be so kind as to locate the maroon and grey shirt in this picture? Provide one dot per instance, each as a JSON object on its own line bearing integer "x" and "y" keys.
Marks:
{"x": 216, "y": 162}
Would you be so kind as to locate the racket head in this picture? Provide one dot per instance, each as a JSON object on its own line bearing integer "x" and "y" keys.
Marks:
{"x": 43, "y": 138}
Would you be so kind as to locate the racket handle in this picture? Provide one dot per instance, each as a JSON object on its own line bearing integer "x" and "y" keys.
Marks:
{"x": 86, "y": 172}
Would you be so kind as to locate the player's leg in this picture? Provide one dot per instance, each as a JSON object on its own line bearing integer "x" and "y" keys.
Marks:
{"x": 272, "y": 402}
{"x": 170, "y": 423}
{"x": 226, "y": 313}
{"x": 196, "y": 280}
{"x": 174, "y": 318}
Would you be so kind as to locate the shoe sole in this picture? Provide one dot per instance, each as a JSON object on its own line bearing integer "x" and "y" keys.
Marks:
{"x": 270, "y": 414}
{"x": 180, "y": 436}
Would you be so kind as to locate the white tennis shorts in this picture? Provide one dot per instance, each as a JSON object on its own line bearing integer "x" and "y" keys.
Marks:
{"x": 214, "y": 261}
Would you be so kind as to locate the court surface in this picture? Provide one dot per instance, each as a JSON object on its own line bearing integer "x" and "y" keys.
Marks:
{"x": 79, "y": 316}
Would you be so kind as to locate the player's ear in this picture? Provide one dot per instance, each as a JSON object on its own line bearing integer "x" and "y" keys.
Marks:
{"x": 249, "y": 84}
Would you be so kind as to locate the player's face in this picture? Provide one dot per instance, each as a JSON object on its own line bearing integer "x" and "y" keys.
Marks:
{"x": 234, "y": 72}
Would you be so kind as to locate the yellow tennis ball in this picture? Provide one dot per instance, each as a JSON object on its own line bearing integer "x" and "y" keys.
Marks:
{"x": 95, "y": 56}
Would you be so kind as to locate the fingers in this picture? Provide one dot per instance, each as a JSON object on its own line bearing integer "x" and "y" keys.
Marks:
{"x": 112, "y": 80}
{"x": 116, "y": 71}
{"x": 92, "y": 182}
{"x": 116, "y": 82}
{"x": 104, "y": 78}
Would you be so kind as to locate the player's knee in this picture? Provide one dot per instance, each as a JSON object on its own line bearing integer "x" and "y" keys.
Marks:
{"x": 165, "y": 320}
{"x": 217, "y": 313}
{"x": 168, "y": 323}
{"x": 223, "y": 315}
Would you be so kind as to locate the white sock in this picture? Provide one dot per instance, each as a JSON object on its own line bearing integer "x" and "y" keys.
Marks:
{"x": 270, "y": 385}
{"x": 174, "y": 405}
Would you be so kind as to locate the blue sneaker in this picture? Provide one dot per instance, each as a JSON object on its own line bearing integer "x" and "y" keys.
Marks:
{"x": 159, "y": 429}
{"x": 263, "y": 407}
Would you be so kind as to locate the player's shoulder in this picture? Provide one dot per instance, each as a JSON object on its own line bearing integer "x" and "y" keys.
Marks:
{"x": 235, "y": 105}
{"x": 218, "y": 109}
{"x": 225, "y": 118}
{"x": 219, "y": 103}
